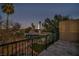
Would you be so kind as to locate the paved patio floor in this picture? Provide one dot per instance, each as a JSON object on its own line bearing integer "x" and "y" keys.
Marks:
{"x": 62, "y": 48}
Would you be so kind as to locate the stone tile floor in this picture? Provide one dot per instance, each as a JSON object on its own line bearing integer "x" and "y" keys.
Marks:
{"x": 62, "y": 48}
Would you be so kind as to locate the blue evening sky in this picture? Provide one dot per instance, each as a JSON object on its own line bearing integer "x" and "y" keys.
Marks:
{"x": 27, "y": 13}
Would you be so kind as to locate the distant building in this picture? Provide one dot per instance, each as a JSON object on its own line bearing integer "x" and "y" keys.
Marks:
{"x": 38, "y": 29}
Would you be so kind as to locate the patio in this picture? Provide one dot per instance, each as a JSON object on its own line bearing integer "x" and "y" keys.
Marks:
{"x": 62, "y": 48}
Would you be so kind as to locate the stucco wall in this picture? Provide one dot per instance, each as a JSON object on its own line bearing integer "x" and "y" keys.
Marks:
{"x": 69, "y": 30}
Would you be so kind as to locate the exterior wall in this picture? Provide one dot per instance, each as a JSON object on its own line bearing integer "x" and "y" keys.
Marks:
{"x": 69, "y": 30}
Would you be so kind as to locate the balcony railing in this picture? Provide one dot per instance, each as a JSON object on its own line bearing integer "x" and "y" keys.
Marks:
{"x": 31, "y": 45}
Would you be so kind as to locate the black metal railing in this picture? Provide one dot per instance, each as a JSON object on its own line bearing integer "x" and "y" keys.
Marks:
{"x": 36, "y": 37}
{"x": 13, "y": 48}
{"x": 31, "y": 45}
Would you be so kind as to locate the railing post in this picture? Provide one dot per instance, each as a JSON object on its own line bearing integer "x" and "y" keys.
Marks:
{"x": 7, "y": 51}
{"x": 16, "y": 48}
{"x": 12, "y": 49}
{"x": 25, "y": 47}
{"x": 2, "y": 51}
{"x": 46, "y": 41}
{"x": 27, "y": 44}
{"x": 22, "y": 49}
{"x": 32, "y": 45}
{"x": 19, "y": 48}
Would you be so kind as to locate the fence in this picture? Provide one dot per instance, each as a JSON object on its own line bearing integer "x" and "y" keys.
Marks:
{"x": 13, "y": 48}
{"x": 31, "y": 45}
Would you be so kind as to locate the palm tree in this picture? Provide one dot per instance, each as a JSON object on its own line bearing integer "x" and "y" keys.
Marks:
{"x": 8, "y": 9}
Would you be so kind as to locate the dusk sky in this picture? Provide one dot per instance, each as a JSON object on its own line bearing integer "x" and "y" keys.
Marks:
{"x": 27, "y": 13}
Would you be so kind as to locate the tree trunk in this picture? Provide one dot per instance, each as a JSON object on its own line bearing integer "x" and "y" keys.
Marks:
{"x": 7, "y": 22}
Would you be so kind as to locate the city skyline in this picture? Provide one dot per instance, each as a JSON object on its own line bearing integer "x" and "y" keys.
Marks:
{"x": 26, "y": 13}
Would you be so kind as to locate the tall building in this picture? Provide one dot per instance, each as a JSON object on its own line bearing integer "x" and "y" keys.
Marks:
{"x": 39, "y": 27}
